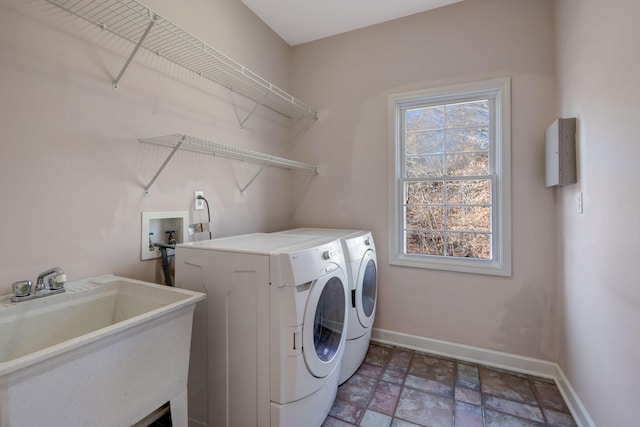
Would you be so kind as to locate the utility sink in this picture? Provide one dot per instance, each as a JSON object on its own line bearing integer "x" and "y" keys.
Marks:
{"x": 107, "y": 352}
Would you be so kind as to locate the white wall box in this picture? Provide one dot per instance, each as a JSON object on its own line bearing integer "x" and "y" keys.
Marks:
{"x": 146, "y": 29}
{"x": 560, "y": 153}
{"x": 159, "y": 223}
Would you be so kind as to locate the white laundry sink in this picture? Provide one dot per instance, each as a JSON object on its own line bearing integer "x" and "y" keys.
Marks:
{"x": 107, "y": 352}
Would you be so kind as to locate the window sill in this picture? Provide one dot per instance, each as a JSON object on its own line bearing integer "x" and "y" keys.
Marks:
{"x": 460, "y": 265}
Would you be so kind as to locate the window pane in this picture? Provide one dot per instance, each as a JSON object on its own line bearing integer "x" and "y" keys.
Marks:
{"x": 424, "y": 142}
{"x": 473, "y": 192}
{"x": 421, "y": 243}
{"x": 469, "y": 218}
{"x": 469, "y": 245}
{"x": 424, "y": 166}
{"x": 425, "y": 217}
{"x": 468, "y": 139}
{"x": 468, "y": 164}
{"x": 430, "y": 192}
{"x": 467, "y": 114}
{"x": 424, "y": 118}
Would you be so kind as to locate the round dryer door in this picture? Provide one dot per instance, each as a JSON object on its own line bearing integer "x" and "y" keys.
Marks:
{"x": 367, "y": 289}
{"x": 323, "y": 331}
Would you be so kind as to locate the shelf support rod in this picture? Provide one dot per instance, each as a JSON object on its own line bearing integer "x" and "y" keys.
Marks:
{"x": 164, "y": 164}
{"x": 253, "y": 179}
{"x": 135, "y": 50}
{"x": 253, "y": 110}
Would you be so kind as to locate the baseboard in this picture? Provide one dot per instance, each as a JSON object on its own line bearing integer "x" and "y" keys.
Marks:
{"x": 497, "y": 359}
{"x": 574, "y": 403}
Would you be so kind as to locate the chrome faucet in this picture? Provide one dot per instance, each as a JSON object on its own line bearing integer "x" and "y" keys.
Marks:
{"x": 55, "y": 278}
{"x": 49, "y": 282}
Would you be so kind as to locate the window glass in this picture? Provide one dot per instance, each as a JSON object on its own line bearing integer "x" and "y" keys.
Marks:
{"x": 450, "y": 140}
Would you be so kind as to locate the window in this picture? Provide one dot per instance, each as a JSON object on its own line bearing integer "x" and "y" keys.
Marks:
{"x": 450, "y": 178}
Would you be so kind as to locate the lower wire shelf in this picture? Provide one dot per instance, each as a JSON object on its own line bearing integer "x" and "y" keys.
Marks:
{"x": 199, "y": 145}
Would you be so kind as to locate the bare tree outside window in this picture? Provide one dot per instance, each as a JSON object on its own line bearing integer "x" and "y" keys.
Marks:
{"x": 447, "y": 191}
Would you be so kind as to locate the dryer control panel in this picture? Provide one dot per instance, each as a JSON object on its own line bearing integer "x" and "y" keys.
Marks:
{"x": 295, "y": 268}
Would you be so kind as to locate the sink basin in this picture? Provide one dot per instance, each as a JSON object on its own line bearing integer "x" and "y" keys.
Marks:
{"x": 107, "y": 352}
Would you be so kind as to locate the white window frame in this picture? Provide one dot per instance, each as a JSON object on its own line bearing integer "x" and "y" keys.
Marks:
{"x": 499, "y": 90}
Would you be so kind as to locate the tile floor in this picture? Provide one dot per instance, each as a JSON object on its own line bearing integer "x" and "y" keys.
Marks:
{"x": 396, "y": 387}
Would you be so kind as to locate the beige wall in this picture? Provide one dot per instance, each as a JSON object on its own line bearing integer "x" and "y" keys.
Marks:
{"x": 349, "y": 77}
{"x": 72, "y": 171}
{"x": 598, "y": 69}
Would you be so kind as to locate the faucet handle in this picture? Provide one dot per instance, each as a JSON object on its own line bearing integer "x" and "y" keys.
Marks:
{"x": 22, "y": 288}
{"x": 57, "y": 282}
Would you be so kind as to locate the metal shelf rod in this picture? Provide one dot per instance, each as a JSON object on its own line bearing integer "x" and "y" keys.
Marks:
{"x": 135, "y": 50}
{"x": 255, "y": 107}
{"x": 164, "y": 164}
{"x": 252, "y": 179}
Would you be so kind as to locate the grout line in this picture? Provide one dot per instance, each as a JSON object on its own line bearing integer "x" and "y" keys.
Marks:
{"x": 453, "y": 404}
{"x": 482, "y": 408}
{"x": 535, "y": 394}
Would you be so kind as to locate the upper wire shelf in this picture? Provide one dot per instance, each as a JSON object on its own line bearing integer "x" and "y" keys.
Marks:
{"x": 144, "y": 28}
{"x": 191, "y": 143}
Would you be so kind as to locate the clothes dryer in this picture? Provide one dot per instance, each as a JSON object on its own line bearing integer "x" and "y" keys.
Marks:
{"x": 268, "y": 341}
{"x": 362, "y": 271}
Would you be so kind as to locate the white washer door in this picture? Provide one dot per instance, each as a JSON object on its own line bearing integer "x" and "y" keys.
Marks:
{"x": 367, "y": 289}
{"x": 323, "y": 331}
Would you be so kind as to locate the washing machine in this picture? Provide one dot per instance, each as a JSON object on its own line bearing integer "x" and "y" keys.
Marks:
{"x": 268, "y": 342}
{"x": 362, "y": 273}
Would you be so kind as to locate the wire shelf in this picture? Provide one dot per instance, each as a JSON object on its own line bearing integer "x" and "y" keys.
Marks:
{"x": 190, "y": 143}
{"x": 144, "y": 28}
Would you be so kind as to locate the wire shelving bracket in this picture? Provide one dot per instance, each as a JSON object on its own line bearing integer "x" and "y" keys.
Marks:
{"x": 198, "y": 145}
{"x": 146, "y": 29}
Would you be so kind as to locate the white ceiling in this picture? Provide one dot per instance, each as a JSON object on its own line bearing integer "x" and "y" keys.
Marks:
{"x": 301, "y": 21}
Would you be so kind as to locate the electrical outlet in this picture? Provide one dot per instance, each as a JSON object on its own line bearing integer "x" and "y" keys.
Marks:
{"x": 198, "y": 204}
